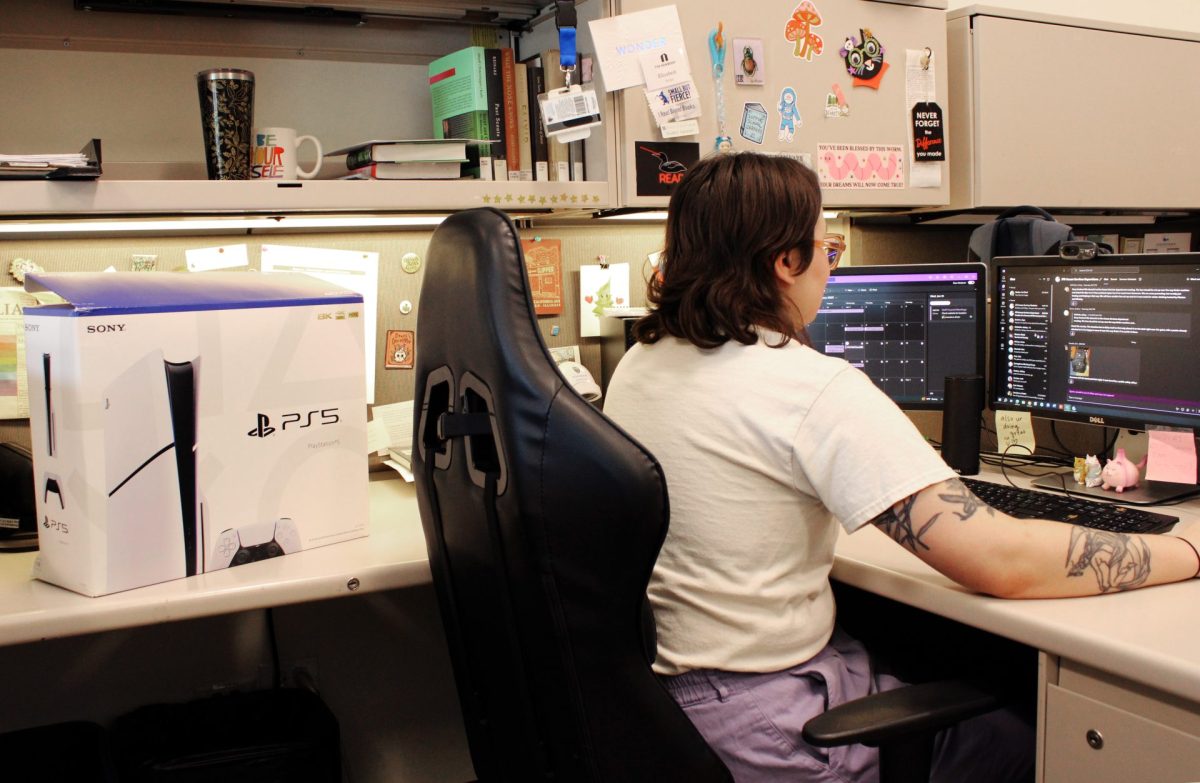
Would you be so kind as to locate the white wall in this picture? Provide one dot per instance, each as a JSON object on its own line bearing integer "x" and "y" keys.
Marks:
{"x": 1166, "y": 14}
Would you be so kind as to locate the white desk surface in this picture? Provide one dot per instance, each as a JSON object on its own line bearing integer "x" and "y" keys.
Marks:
{"x": 392, "y": 555}
{"x": 1149, "y": 636}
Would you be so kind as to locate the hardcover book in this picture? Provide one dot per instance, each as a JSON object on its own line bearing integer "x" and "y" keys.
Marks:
{"x": 458, "y": 89}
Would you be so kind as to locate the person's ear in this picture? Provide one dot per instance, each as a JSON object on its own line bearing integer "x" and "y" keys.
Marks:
{"x": 786, "y": 266}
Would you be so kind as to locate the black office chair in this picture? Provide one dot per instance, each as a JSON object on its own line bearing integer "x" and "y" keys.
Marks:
{"x": 543, "y": 520}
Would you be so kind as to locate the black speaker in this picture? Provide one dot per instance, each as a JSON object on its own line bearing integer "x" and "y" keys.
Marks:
{"x": 960, "y": 423}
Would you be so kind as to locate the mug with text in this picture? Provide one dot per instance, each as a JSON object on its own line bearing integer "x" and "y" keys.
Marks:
{"x": 276, "y": 154}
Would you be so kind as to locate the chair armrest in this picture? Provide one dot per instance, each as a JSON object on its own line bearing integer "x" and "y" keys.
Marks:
{"x": 892, "y": 715}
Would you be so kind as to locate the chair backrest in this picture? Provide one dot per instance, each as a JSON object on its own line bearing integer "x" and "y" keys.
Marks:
{"x": 543, "y": 520}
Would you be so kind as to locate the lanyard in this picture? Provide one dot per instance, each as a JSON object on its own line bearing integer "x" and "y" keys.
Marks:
{"x": 565, "y": 19}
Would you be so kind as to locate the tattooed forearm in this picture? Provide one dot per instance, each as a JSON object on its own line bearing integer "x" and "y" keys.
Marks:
{"x": 958, "y": 494}
{"x": 897, "y": 522}
{"x": 1119, "y": 562}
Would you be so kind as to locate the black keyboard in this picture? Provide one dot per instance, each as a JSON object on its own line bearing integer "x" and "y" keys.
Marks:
{"x": 1032, "y": 504}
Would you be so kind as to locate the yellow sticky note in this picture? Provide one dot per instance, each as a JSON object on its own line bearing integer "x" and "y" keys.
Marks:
{"x": 1014, "y": 432}
{"x": 1171, "y": 455}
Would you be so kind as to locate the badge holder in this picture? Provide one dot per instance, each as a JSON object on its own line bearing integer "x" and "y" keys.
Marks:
{"x": 568, "y": 113}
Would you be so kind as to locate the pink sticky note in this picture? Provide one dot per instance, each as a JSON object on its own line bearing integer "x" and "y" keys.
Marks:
{"x": 1171, "y": 456}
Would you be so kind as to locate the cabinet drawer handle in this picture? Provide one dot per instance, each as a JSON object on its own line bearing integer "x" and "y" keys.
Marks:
{"x": 1095, "y": 739}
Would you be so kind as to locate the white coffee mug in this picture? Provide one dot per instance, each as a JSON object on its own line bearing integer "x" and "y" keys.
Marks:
{"x": 275, "y": 154}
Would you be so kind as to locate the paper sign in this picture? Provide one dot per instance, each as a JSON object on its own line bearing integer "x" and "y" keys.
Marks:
{"x": 543, "y": 263}
{"x": 351, "y": 269}
{"x": 660, "y": 165}
{"x": 860, "y": 166}
{"x": 673, "y": 130}
{"x": 621, "y": 40}
{"x": 1014, "y": 432}
{"x": 928, "y": 148}
{"x": 674, "y": 102}
{"x": 1171, "y": 455}
{"x": 14, "y": 385}
{"x": 600, "y": 287}
{"x": 661, "y": 68}
{"x": 206, "y": 259}
{"x": 398, "y": 354}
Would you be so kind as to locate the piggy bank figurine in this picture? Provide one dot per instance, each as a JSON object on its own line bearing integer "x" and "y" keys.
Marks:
{"x": 1121, "y": 474}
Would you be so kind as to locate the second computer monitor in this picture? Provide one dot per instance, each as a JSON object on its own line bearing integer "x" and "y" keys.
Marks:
{"x": 907, "y": 327}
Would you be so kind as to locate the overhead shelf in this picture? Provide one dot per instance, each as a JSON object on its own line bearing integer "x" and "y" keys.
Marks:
{"x": 159, "y": 197}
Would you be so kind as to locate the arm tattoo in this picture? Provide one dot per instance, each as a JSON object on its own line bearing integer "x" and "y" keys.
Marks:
{"x": 1119, "y": 562}
{"x": 898, "y": 522}
{"x": 957, "y": 494}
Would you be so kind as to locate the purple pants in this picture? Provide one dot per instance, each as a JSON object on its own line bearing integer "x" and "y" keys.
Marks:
{"x": 753, "y": 722}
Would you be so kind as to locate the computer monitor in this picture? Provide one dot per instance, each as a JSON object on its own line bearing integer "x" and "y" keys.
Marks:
{"x": 907, "y": 327}
{"x": 1108, "y": 341}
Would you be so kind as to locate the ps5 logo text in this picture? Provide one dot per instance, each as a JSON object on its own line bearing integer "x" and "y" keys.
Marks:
{"x": 320, "y": 418}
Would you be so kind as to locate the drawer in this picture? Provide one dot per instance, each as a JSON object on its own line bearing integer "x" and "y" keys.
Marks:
{"x": 1130, "y": 747}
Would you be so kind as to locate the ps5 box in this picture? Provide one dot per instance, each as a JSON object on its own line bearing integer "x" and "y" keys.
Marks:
{"x": 185, "y": 423}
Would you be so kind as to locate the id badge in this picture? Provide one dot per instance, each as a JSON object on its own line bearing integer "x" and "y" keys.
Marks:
{"x": 570, "y": 113}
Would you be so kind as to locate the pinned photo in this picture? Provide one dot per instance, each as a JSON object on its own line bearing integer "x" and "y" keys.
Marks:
{"x": 749, "y": 67}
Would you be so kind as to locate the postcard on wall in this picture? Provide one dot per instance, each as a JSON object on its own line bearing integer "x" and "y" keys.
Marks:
{"x": 860, "y": 166}
{"x": 350, "y": 269}
{"x": 543, "y": 262}
{"x": 14, "y": 385}
{"x": 600, "y": 287}
{"x": 620, "y": 41}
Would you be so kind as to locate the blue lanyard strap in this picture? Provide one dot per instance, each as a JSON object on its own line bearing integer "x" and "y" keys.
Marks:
{"x": 565, "y": 19}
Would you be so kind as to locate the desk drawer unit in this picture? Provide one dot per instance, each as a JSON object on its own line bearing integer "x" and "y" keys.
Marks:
{"x": 1089, "y": 740}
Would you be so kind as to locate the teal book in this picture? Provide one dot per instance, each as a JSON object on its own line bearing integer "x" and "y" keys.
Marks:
{"x": 458, "y": 90}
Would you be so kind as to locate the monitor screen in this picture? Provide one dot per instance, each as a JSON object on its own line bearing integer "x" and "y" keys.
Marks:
{"x": 906, "y": 327}
{"x": 1112, "y": 340}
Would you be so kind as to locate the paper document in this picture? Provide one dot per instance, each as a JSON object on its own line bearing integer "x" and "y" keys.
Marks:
{"x": 14, "y": 385}
{"x": 398, "y": 418}
{"x": 351, "y": 269}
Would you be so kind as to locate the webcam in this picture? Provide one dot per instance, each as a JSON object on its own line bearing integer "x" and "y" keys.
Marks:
{"x": 1078, "y": 250}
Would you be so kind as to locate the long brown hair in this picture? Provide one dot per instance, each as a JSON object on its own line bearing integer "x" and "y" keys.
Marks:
{"x": 728, "y": 220}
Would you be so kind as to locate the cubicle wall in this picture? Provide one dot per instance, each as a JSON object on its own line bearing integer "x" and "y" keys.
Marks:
{"x": 627, "y": 243}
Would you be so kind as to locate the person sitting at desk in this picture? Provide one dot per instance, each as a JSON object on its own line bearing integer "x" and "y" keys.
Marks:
{"x": 765, "y": 443}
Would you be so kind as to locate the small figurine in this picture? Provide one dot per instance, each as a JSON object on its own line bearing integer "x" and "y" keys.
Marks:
{"x": 1121, "y": 474}
{"x": 1092, "y": 473}
{"x": 1079, "y": 470}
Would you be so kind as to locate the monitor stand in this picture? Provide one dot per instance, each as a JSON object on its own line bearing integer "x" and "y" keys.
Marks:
{"x": 1148, "y": 493}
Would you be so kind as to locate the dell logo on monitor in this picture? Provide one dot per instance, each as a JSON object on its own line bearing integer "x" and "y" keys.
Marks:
{"x": 1095, "y": 419}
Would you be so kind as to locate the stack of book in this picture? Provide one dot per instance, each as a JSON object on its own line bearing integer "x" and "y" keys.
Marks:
{"x": 410, "y": 159}
{"x": 484, "y": 93}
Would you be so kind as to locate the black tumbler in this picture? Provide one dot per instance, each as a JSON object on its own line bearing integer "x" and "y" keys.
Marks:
{"x": 227, "y": 115}
{"x": 960, "y": 423}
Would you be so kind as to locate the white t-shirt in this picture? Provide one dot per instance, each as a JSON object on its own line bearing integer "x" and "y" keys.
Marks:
{"x": 763, "y": 448}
